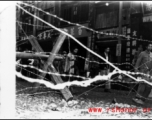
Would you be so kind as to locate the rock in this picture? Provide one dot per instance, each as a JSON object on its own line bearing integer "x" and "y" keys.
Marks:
{"x": 54, "y": 109}
{"x": 63, "y": 103}
{"x": 126, "y": 106}
{"x": 84, "y": 112}
{"x": 70, "y": 103}
{"x": 111, "y": 106}
{"x": 114, "y": 101}
{"x": 73, "y": 102}
{"x": 53, "y": 105}
{"x": 121, "y": 105}
{"x": 116, "y": 104}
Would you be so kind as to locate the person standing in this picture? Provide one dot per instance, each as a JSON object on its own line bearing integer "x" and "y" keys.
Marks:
{"x": 62, "y": 62}
{"x": 62, "y": 65}
{"x": 94, "y": 67}
{"x": 143, "y": 65}
{"x": 105, "y": 68}
{"x": 140, "y": 49}
{"x": 71, "y": 65}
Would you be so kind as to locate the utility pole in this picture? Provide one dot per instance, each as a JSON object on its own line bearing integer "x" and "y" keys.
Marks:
{"x": 120, "y": 31}
{"x": 34, "y": 21}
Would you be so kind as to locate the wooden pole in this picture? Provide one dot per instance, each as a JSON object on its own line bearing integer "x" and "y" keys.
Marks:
{"x": 120, "y": 29}
{"x": 7, "y": 59}
{"x": 35, "y": 56}
{"x": 34, "y": 21}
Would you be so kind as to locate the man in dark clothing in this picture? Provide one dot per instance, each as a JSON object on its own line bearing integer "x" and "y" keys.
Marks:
{"x": 62, "y": 62}
{"x": 105, "y": 67}
{"x": 143, "y": 65}
{"x": 94, "y": 67}
{"x": 140, "y": 49}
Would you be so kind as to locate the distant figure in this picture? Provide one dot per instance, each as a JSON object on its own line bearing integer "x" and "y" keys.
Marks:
{"x": 140, "y": 49}
{"x": 105, "y": 68}
{"x": 71, "y": 65}
{"x": 94, "y": 67}
{"x": 62, "y": 62}
{"x": 72, "y": 62}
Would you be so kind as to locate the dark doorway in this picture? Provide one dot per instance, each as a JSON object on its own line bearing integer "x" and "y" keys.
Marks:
{"x": 101, "y": 46}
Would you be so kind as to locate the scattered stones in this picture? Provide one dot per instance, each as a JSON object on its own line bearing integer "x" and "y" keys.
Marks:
{"x": 84, "y": 112}
{"x": 51, "y": 104}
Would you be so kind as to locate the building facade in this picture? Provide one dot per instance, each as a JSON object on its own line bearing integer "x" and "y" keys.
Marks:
{"x": 107, "y": 20}
{"x": 100, "y": 16}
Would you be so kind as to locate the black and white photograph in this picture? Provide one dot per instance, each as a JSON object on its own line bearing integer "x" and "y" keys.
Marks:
{"x": 76, "y": 59}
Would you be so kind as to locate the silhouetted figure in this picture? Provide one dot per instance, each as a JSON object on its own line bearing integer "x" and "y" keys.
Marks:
{"x": 105, "y": 68}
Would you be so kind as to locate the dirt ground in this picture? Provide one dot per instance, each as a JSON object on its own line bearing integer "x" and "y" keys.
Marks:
{"x": 49, "y": 104}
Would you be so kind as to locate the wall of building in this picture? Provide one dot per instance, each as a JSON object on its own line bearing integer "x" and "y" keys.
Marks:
{"x": 107, "y": 21}
{"x": 76, "y": 12}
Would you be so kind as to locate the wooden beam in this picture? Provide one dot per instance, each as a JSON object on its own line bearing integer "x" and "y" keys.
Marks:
{"x": 48, "y": 66}
{"x": 56, "y": 48}
{"x": 35, "y": 44}
{"x": 65, "y": 92}
{"x": 35, "y": 56}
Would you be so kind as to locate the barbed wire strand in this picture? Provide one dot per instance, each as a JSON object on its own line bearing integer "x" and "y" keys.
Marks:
{"x": 61, "y": 19}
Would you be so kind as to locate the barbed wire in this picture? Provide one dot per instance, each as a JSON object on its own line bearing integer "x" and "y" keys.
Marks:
{"x": 51, "y": 73}
{"x": 87, "y": 59}
{"x": 85, "y": 91}
{"x": 97, "y": 55}
{"x": 76, "y": 97}
{"x": 21, "y": 44}
{"x": 77, "y": 76}
{"x": 23, "y": 30}
{"x": 28, "y": 88}
{"x": 24, "y": 34}
{"x": 111, "y": 80}
{"x": 79, "y": 25}
{"x": 33, "y": 73}
{"x": 60, "y": 30}
{"x": 113, "y": 84}
{"x": 32, "y": 24}
{"x": 37, "y": 93}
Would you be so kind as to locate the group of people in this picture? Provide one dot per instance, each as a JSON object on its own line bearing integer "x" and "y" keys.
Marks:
{"x": 69, "y": 64}
{"x": 143, "y": 63}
